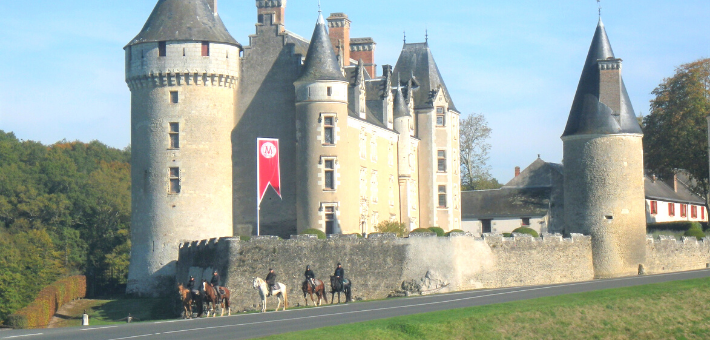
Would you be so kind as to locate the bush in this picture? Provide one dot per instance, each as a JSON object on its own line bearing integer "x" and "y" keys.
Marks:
{"x": 245, "y": 238}
{"x": 398, "y": 228}
{"x": 695, "y": 230}
{"x": 507, "y": 235}
{"x": 421, "y": 230}
{"x": 358, "y": 235}
{"x": 320, "y": 234}
{"x": 526, "y": 230}
{"x": 40, "y": 311}
{"x": 438, "y": 231}
{"x": 673, "y": 226}
{"x": 454, "y": 231}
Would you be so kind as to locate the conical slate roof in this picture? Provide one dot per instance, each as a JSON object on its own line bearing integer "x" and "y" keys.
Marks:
{"x": 417, "y": 60}
{"x": 400, "y": 105}
{"x": 183, "y": 20}
{"x": 321, "y": 62}
{"x": 590, "y": 116}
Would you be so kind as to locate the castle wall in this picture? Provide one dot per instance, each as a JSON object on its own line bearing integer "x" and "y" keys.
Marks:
{"x": 197, "y": 95}
{"x": 383, "y": 265}
{"x": 596, "y": 205}
{"x": 666, "y": 254}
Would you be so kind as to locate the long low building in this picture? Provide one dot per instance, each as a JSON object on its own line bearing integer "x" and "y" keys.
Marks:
{"x": 534, "y": 198}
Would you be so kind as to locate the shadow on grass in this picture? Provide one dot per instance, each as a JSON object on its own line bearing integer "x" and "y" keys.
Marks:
{"x": 140, "y": 310}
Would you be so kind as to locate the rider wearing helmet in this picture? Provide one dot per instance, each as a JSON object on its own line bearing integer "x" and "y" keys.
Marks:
{"x": 215, "y": 284}
{"x": 340, "y": 273}
{"x": 271, "y": 280}
{"x": 191, "y": 287}
{"x": 310, "y": 277}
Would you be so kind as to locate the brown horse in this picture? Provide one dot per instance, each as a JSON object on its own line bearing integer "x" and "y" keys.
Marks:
{"x": 319, "y": 291}
{"x": 210, "y": 296}
{"x": 186, "y": 297}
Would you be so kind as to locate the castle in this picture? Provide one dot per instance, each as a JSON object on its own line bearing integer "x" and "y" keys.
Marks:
{"x": 356, "y": 148}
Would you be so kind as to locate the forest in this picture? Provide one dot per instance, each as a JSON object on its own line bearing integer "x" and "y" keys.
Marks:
{"x": 64, "y": 210}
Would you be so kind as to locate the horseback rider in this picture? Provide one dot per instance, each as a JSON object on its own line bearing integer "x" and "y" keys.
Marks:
{"x": 215, "y": 284}
{"x": 340, "y": 273}
{"x": 191, "y": 287}
{"x": 310, "y": 277}
{"x": 271, "y": 280}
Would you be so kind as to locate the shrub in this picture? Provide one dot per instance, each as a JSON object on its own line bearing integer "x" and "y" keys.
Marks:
{"x": 40, "y": 311}
{"x": 358, "y": 235}
{"x": 695, "y": 230}
{"x": 454, "y": 231}
{"x": 673, "y": 226}
{"x": 438, "y": 231}
{"x": 398, "y": 228}
{"x": 245, "y": 238}
{"x": 420, "y": 230}
{"x": 507, "y": 235}
{"x": 320, "y": 234}
{"x": 526, "y": 230}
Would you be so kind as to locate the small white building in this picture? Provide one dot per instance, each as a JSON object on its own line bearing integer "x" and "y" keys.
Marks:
{"x": 672, "y": 202}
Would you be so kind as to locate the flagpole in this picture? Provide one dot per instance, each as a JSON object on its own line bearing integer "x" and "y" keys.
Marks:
{"x": 258, "y": 202}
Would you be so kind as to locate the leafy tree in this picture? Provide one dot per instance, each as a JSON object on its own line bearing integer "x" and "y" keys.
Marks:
{"x": 675, "y": 131}
{"x": 392, "y": 227}
{"x": 474, "y": 135}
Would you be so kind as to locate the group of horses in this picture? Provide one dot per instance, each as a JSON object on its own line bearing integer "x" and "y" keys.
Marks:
{"x": 207, "y": 298}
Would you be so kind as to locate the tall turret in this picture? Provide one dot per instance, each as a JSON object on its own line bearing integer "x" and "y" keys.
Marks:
{"x": 182, "y": 70}
{"x": 407, "y": 160}
{"x": 603, "y": 161}
{"x": 321, "y": 119}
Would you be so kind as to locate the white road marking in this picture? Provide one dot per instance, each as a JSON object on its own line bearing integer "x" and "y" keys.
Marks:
{"x": 22, "y": 336}
{"x": 95, "y": 328}
{"x": 394, "y": 307}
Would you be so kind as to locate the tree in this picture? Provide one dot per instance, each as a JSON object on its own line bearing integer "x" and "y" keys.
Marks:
{"x": 392, "y": 227}
{"x": 676, "y": 130}
{"x": 475, "y": 173}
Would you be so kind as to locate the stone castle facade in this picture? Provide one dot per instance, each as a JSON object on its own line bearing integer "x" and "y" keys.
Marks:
{"x": 356, "y": 148}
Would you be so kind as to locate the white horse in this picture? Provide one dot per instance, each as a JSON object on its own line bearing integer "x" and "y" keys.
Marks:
{"x": 280, "y": 293}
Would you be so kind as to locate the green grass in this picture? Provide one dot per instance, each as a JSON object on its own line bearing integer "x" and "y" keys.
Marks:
{"x": 108, "y": 312}
{"x": 674, "y": 310}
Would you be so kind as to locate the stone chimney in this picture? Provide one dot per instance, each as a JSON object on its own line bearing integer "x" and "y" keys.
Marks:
{"x": 517, "y": 171}
{"x": 213, "y": 6}
{"x": 271, "y": 12}
{"x": 339, "y": 31}
{"x": 610, "y": 83}
{"x": 364, "y": 48}
{"x": 675, "y": 182}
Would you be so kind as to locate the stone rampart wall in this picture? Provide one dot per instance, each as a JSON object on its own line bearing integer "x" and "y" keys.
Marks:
{"x": 666, "y": 254}
{"x": 383, "y": 265}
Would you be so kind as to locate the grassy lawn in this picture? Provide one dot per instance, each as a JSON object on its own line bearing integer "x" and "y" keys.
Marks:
{"x": 107, "y": 312}
{"x": 674, "y": 310}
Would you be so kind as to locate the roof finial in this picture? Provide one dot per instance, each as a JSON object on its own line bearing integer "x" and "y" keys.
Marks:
{"x": 599, "y": 3}
{"x": 319, "y": 11}
{"x": 426, "y": 35}
{"x": 405, "y": 37}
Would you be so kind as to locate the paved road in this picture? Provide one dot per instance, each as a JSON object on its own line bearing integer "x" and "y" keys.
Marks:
{"x": 248, "y": 326}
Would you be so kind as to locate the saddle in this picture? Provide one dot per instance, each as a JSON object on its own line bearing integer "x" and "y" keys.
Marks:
{"x": 221, "y": 291}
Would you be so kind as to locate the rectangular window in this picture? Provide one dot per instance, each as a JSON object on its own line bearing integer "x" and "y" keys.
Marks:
{"x": 683, "y": 210}
{"x": 654, "y": 207}
{"x": 328, "y": 131}
{"x": 162, "y": 49}
{"x": 330, "y": 174}
{"x": 440, "y": 120}
{"x": 525, "y": 221}
{"x": 694, "y": 211}
{"x": 174, "y": 135}
{"x": 329, "y": 219}
{"x": 485, "y": 226}
{"x": 442, "y": 196}
{"x": 671, "y": 209}
{"x": 174, "y": 98}
{"x": 205, "y": 48}
{"x": 330, "y": 91}
{"x": 174, "y": 175}
{"x": 702, "y": 213}
{"x": 441, "y": 160}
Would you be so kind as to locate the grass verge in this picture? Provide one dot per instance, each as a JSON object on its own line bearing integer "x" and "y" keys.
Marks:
{"x": 673, "y": 310}
{"x": 108, "y": 312}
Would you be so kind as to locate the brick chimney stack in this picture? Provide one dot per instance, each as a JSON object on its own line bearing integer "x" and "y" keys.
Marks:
{"x": 339, "y": 31}
{"x": 675, "y": 182}
{"x": 610, "y": 83}
{"x": 517, "y": 171}
{"x": 364, "y": 48}
{"x": 213, "y": 6}
{"x": 271, "y": 12}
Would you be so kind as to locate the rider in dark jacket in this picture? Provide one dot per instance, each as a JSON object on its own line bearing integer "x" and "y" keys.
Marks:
{"x": 310, "y": 277}
{"x": 340, "y": 273}
{"x": 191, "y": 287}
{"x": 215, "y": 284}
{"x": 270, "y": 280}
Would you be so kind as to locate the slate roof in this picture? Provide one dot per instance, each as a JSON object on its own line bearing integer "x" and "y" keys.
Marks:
{"x": 537, "y": 174}
{"x": 183, "y": 20}
{"x": 660, "y": 190}
{"x": 588, "y": 115}
{"x": 505, "y": 202}
{"x": 400, "y": 105}
{"x": 300, "y": 44}
{"x": 321, "y": 62}
{"x": 418, "y": 60}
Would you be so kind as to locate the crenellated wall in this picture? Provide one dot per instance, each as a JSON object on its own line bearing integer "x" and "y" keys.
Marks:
{"x": 383, "y": 265}
{"x": 666, "y": 254}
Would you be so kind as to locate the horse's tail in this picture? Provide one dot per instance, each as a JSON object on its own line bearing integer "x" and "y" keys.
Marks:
{"x": 348, "y": 291}
{"x": 285, "y": 298}
{"x": 325, "y": 293}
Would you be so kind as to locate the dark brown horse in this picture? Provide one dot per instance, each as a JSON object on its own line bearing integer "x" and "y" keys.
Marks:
{"x": 337, "y": 286}
{"x": 210, "y": 296}
{"x": 319, "y": 291}
{"x": 186, "y": 298}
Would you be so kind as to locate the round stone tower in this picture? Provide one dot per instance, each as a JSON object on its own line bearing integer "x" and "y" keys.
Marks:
{"x": 182, "y": 70}
{"x": 603, "y": 165}
{"x": 321, "y": 121}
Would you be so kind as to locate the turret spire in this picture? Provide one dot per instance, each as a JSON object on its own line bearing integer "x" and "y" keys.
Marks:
{"x": 400, "y": 105}
{"x": 321, "y": 61}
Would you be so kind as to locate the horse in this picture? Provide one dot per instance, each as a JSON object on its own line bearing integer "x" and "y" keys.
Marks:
{"x": 280, "y": 293}
{"x": 210, "y": 296}
{"x": 319, "y": 291}
{"x": 186, "y": 298}
{"x": 337, "y": 287}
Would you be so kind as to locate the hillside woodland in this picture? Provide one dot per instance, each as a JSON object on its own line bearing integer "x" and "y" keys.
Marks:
{"x": 64, "y": 210}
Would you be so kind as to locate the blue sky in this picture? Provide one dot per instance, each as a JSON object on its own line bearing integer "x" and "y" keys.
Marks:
{"x": 516, "y": 62}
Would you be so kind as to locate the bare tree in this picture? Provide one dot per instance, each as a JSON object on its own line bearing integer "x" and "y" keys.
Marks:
{"x": 475, "y": 173}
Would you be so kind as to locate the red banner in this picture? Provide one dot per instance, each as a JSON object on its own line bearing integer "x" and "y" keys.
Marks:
{"x": 268, "y": 168}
